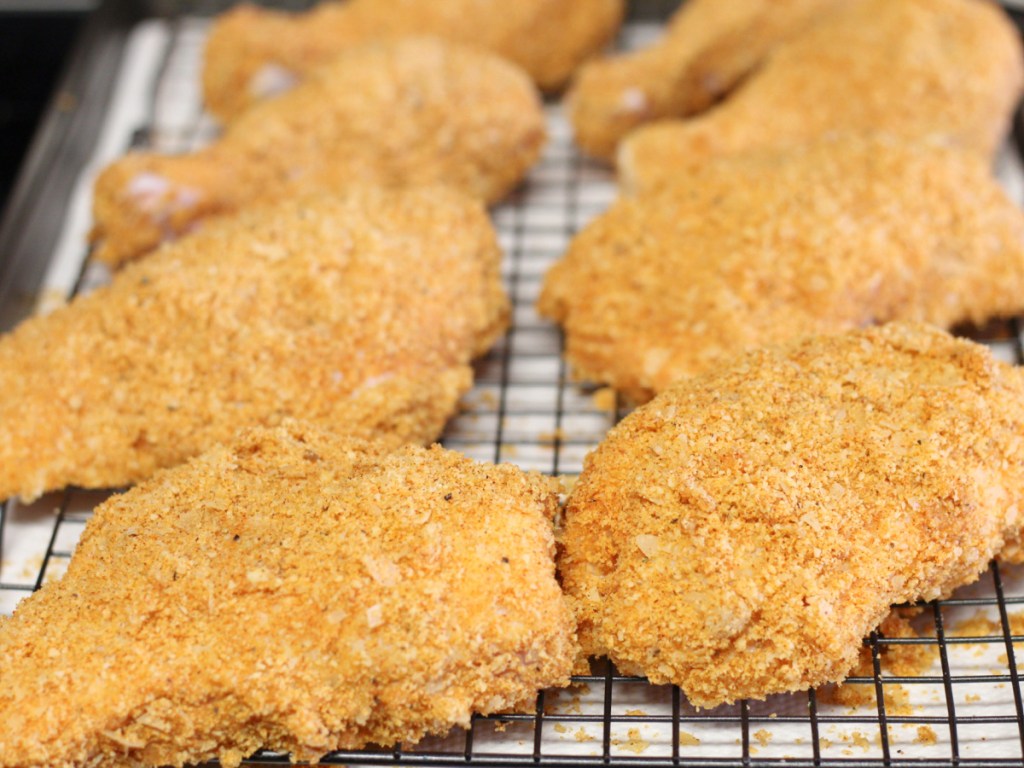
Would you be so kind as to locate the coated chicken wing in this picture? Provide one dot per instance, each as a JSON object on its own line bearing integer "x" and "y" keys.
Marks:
{"x": 950, "y": 69}
{"x": 253, "y": 53}
{"x": 708, "y": 47}
{"x": 361, "y": 313}
{"x": 411, "y": 112}
{"x": 761, "y": 248}
{"x": 295, "y": 591}
{"x": 741, "y": 533}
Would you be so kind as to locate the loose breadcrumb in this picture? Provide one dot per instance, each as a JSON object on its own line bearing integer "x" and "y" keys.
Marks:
{"x": 552, "y": 438}
{"x": 634, "y": 742}
{"x": 905, "y": 660}
{"x": 860, "y": 740}
{"x": 605, "y": 400}
{"x": 980, "y": 625}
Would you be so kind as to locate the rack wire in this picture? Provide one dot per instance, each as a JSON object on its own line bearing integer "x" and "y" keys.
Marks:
{"x": 942, "y": 688}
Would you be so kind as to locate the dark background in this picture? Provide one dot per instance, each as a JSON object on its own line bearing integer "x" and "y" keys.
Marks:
{"x": 35, "y": 39}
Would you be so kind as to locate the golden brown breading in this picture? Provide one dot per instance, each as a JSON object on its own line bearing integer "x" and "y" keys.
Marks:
{"x": 708, "y": 47}
{"x": 407, "y": 113}
{"x": 254, "y": 53}
{"x": 911, "y": 68}
{"x": 761, "y": 248}
{"x": 740, "y": 534}
{"x": 294, "y": 591}
{"x": 361, "y": 313}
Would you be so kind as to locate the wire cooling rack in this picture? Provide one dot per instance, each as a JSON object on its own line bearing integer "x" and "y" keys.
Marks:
{"x": 939, "y": 687}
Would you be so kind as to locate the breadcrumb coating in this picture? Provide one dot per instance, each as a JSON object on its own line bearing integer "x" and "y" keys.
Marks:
{"x": 762, "y": 248}
{"x": 741, "y": 533}
{"x": 295, "y": 591}
{"x": 708, "y": 47}
{"x": 405, "y": 113}
{"x": 910, "y": 68}
{"x": 253, "y": 53}
{"x": 360, "y": 313}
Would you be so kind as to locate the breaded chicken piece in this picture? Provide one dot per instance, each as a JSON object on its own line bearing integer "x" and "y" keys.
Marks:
{"x": 708, "y": 47}
{"x": 741, "y": 533}
{"x": 762, "y": 248}
{"x": 361, "y": 313}
{"x": 916, "y": 69}
{"x": 407, "y": 113}
{"x": 294, "y": 591}
{"x": 253, "y": 53}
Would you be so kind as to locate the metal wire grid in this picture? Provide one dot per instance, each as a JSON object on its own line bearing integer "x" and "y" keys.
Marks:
{"x": 965, "y": 708}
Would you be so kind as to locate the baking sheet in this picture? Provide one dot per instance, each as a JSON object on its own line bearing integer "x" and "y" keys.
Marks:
{"x": 964, "y": 706}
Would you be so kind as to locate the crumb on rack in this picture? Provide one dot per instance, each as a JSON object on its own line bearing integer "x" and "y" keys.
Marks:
{"x": 572, "y": 707}
{"x": 488, "y": 399}
{"x": 552, "y": 438}
{"x": 860, "y": 740}
{"x": 763, "y": 737}
{"x": 604, "y": 399}
{"x": 30, "y": 569}
{"x": 925, "y": 735}
{"x": 905, "y": 660}
{"x": 980, "y": 625}
{"x": 633, "y": 743}
{"x": 855, "y": 695}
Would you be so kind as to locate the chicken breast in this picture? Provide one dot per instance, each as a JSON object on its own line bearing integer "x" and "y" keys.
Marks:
{"x": 253, "y": 53}
{"x": 947, "y": 69}
{"x": 360, "y": 313}
{"x": 757, "y": 249}
{"x": 406, "y": 113}
{"x": 292, "y": 590}
{"x": 741, "y": 533}
{"x": 708, "y": 47}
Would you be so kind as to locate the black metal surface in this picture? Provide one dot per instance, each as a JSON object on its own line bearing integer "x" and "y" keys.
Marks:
{"x": 66, "y": 137}
{"x": 32, "y": 51}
